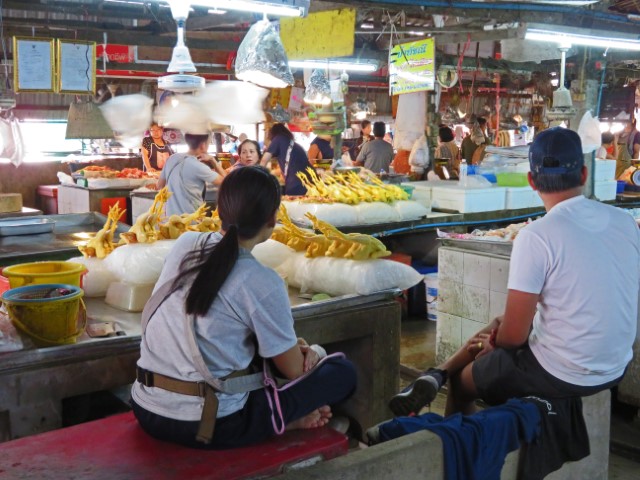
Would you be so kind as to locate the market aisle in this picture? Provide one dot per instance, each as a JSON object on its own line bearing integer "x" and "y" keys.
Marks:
{"x": 417, "y": 352}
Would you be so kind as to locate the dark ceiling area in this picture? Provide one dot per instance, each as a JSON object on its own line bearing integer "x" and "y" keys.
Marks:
{"x": 213, "y": 39}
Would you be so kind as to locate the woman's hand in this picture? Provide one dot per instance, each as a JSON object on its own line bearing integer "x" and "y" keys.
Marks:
{"x": 311, "y": 357}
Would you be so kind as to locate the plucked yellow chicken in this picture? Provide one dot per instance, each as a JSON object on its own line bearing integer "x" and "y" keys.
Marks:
{"x": 145, "y": 228}
{"x": 332, "y": 242}
{"x": 102, "y": 244}
{"x": 176, "y": 225}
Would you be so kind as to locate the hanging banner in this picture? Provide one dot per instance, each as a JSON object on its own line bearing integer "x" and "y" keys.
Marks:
{"x": 320, "y": 35}
{"x": 116, "y": 53}
{"x": 412, "y": 67}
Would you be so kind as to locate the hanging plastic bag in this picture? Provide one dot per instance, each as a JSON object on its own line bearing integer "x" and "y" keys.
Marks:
{"x": 129, "y": 116}
{"x": 12, "y": 147}
{"x": 419, "y": 156}
{"x": 589, "y": 131}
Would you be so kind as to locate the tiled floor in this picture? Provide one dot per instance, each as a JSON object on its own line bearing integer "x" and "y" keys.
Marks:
{"x": 417, "y": 352}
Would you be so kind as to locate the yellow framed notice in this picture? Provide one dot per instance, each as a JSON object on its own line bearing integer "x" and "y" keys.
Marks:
{"x": 76, "y": 66}
{"x": 412, "y": 67}
{"x": 33, "y": 62}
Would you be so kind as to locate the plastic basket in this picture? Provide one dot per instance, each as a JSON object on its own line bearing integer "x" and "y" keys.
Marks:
{"x": 68, "y": 273}
{"x": 51, "y": 314}
{"x": 512, "y": 179}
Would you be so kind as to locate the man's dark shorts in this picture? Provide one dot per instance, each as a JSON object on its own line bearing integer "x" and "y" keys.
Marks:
{"x": 504, "y": 374}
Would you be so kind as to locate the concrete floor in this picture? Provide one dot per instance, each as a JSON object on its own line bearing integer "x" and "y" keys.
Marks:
{"x": 417, "y": 353}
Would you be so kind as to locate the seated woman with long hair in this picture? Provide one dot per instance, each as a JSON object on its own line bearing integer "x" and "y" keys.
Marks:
{"x": 222, "y": 300}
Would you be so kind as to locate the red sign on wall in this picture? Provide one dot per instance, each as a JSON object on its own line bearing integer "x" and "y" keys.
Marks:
{"x": 116, "y": 53}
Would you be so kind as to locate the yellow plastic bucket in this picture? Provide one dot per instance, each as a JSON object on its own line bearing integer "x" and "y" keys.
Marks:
{"x": 51, "y": 314}
{"x": 68, "y": 273}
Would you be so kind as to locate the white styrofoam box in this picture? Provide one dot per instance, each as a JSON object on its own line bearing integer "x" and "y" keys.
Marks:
{"x": 605, "y": 190}
{"x": 450, "y": 264}
{"x": 604, "y": 170}
{"x": 468, "y": 200}
{"x": 497, "y": 303}
{"x": 477, "y": 270}
{"x": 448, "y": 336}
{"x": 423, "y": 188}
{"x": 499, "y": 275}
{"x": 519, "y": 197}
{"x": 422, "y": 196}
{"x": 475, "y": 303}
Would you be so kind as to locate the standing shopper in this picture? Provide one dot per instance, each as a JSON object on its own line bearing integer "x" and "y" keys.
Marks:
{"x": 365, "y": 136}
{"x": 291, "y": 158}
{"x": 376, "y": 155}
{"x": 448, "y": 149}
{"x": 187, "y": 177}
{"x": 572, "y": 307}
{"x": 225, "y": 305}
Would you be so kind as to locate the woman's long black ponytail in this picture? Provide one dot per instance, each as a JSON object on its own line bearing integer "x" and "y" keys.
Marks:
{"x": 248, "y": 199}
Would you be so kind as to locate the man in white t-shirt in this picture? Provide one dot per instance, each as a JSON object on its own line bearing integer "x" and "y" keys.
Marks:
{"x": 187, "y": 177}
{"x": 572, "y": 307}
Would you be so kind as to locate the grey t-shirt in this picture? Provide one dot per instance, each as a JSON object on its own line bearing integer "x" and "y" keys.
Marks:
{"x": 186, "y": 178}
{"x": 377, "y": 155}
{"x": 253, "y": 302}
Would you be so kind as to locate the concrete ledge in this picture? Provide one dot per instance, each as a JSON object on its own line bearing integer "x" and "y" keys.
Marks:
{"x": 419, "y": 456}
{"x": 414, "y": 457}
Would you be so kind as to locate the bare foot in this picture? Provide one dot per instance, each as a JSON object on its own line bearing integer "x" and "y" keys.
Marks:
{"x": 315, "y": 419}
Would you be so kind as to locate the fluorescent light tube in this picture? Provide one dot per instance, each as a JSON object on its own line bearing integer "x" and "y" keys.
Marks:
{"x": 250, "y": 6}
{"x": 331, "y": 65}
{"x": 580, "y": 39}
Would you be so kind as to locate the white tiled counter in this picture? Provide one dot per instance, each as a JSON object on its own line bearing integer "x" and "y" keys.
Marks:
{"x": 472, "y": 290}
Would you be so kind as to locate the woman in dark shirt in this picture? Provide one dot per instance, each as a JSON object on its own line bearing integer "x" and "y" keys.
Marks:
{"x": 320, "y": 149}
{"x": 291, "y": 157}
{"x": 154, "y": 149}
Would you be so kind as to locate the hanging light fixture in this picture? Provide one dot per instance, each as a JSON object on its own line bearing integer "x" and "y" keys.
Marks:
{"x": 318, "y": 91}
{"x": 261, "y": 58}
{"x": 181, "y": 62}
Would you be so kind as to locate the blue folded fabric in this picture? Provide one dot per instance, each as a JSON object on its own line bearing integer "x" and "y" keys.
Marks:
{"x": 474, "y": 446}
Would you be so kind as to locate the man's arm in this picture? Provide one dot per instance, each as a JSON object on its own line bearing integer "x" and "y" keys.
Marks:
{"x": 362, "y": 155}
{"x": 518, "y": 317}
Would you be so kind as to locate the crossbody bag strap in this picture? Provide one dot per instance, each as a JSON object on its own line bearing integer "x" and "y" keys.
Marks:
{"x": 158, "y": 297}
{"x": 286, "y": 159}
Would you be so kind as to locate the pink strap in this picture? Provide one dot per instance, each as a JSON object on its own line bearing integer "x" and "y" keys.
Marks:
{"x": 270, "y": 382}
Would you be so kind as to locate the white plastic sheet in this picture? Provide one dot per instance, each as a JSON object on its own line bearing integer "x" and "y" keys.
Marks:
{"x": 139, "y": 263}
{"x": 98, "y": 277}
{"x": 339, "y": 276}
{"x": 335, "y": 276}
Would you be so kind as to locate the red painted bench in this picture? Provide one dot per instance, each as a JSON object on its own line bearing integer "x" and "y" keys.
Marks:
{"x": 116, "y": 448}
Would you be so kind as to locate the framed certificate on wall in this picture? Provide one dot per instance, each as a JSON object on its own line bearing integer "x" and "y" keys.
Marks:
{"x": 33, "y": 60}
{"x": 76, "y": 67}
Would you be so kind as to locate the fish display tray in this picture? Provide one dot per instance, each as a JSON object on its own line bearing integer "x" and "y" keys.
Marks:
{"x": 26, "y": 226}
